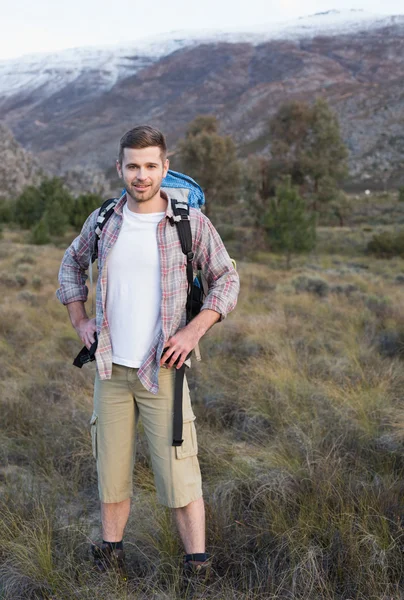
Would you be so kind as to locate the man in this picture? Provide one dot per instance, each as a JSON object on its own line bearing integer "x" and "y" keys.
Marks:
{"x": 140, "y": 325}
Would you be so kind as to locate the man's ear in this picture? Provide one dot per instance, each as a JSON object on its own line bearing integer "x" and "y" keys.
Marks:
{"x": 119, "y": 168}
{"x": 166, "y": 166}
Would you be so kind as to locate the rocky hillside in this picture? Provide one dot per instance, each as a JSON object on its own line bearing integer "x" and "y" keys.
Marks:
{"x": 76, "y": 114}
{"x": 18, "y": 168}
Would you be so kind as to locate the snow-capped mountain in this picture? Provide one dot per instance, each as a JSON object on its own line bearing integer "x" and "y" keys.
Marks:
{"x": 71, "y": 108}
{"x": 51, "y": 72}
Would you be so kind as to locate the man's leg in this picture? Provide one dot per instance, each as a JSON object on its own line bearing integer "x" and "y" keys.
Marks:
{"x": 114, "y": 517}
{"x": 176, "y": 470}
{"x": 190, "y": 521}
{"x": 114, "y": 423}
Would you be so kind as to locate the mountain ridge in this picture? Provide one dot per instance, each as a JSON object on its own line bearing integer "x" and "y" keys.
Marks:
{"x": 79, "y": 121}
{"x": 147, "y": 50}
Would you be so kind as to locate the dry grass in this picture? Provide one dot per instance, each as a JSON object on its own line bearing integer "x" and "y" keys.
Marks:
{"x": 301, "y": 430}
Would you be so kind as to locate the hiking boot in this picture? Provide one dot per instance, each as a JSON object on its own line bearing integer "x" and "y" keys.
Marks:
{"x": 196, "y": 571}
{"x": 106, "y": 559}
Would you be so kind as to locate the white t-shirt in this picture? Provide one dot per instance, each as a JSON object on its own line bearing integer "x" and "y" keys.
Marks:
{"x": 134, "y": 288}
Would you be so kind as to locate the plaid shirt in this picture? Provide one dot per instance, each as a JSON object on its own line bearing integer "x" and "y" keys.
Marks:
{"x": 210, "y": 256}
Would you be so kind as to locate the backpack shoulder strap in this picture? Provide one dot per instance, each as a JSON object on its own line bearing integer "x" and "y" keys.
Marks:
{"x": 104, "y": 214}
{"x": 182, "y": 221}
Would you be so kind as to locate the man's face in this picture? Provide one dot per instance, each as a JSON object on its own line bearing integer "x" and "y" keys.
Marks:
{"x": 142, "y": 170}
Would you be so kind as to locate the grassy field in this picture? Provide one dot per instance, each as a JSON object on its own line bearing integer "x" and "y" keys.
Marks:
{"x": 300, "y": 416}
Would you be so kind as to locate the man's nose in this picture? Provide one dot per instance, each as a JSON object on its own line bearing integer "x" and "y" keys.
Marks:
{"x": 141, "y": 174}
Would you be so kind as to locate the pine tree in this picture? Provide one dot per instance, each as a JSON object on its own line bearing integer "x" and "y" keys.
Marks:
{"x": 211, "y": 160}
{"x": 307, "y": 145}
{"x": 82, "y": 207}
{"x": 288, "y": 226}
{"x": 32, "y": 203}
{"x": 324, "y": 158}
{"x": 56, "y": 218}
{"x": 40, "y": 233}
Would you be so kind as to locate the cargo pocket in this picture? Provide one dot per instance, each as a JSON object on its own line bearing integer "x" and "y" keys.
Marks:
{"x": 93, "y": 429}
{"x": 189, "y": 446}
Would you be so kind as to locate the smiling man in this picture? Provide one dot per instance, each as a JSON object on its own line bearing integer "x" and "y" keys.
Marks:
{"x": 141, "y": 327}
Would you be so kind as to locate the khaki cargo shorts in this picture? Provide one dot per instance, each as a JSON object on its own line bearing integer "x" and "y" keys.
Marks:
{"x": 118, "y": 402}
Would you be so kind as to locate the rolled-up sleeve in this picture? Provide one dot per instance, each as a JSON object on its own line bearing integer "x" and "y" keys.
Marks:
{"x": 215, "y": 263}
{"x": 72, "y": 272}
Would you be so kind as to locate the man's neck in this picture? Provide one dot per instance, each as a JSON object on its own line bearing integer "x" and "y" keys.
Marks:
{"x": 156, "y": 204}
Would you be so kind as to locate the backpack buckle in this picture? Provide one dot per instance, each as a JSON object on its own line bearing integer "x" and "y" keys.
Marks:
{"x": 190, "y": 256}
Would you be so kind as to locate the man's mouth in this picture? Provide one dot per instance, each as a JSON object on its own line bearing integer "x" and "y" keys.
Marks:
{"x": 140, "y": 187}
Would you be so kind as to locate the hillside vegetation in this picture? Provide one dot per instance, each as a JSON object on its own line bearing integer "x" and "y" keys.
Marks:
{"x": 300, "y": 429}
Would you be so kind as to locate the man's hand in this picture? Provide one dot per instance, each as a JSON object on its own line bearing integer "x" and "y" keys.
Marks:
{"x": 85, "y": 330}
{"x": 84, "y": 326}
{"x": 179, "y": 346}
{"x": 185, "y": 340}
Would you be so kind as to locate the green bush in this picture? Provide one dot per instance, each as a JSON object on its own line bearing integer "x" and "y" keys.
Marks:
{"x": 36, "y": 282}
{"x": 20, "y": 279}
{"x": 33, "y": 202}
{"x": 387, "y": 245}
{"x": 56, "y": 218}
{"x": 289, "y": 227}
{"x": 401, "y": 193}
{"x": 40, "y": 233}
{"x": 82, "y": 207}
{"x": 6, "y": 211}
{"x": 226, "y": 232}
{"x": 314, "y": 285}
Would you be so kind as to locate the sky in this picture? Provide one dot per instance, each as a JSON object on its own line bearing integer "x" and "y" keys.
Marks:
{"x": 30, "y": 26}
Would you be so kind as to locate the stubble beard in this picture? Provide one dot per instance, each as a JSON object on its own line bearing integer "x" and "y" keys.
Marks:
{"x": 143, "y": 196}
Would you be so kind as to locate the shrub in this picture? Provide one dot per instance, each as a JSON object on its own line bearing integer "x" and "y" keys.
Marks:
{"x": 20, "y": 279}
{"x": 29, "y": 207}
{"x": 227, "y": 232}
{"x": 33, "y": 202}
{"x": 81, "y": 207}
{"x": 314, "y": 285}
{"x": 401, "y": 193}
{"x": 56, "y": 218}
{"x": 6, "y": 211}
{"x": 36, "y": 282}
{"x": 40, "y": 233}
{"x": 28, "y": 297}
{"x": 387, "y": 245}
{"x": 289, "y": 227}
{"x": 346, "y": 289}
{"x": 379, "y": 305}
{"x": 391, "y": 344}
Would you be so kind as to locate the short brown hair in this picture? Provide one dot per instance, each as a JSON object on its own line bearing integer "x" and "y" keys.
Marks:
{"x": 142, "y": 136}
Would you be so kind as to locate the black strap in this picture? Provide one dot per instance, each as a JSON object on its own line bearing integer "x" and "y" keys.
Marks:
{"x": 178, "y": 387}
{"x": 181, "y": 220}
{"x": 104, "y": 214}
{"x": 86, "y": 354}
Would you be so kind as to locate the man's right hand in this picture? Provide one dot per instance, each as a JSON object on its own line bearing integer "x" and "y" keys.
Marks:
{"x": 84, "y": 326}
{"x": 85, "y": 330}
